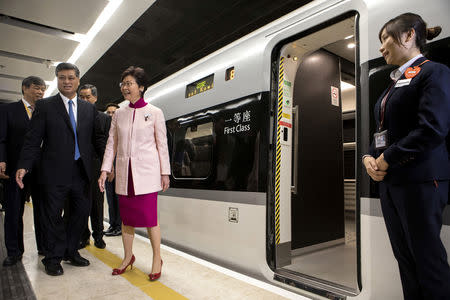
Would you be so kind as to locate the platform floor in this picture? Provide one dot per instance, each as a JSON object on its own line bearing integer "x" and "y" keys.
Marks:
{"x": 183, "y": 276}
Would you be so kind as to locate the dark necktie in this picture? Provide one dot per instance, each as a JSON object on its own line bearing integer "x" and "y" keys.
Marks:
{"x": 74, "y": 127}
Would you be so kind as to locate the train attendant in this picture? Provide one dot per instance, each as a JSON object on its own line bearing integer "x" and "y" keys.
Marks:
{"x": 410, "y": 159}
{"x": 138, "y": 141}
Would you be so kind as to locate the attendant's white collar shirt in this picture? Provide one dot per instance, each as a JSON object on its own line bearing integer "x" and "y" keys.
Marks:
{"x": 74, "y": 105}
{"x": 397, "y": 73}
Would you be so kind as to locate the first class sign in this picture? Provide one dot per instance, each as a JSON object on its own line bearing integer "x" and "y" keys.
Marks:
{"x": 240, "y": 123}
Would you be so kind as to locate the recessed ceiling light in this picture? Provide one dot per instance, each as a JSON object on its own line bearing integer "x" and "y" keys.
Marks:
{"x": 351, "y": 45}
{"x": 295, "y": 58}
{"x": 348, "y": 37}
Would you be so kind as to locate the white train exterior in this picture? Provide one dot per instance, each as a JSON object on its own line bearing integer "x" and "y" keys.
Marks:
{"x": 244, "y": 228}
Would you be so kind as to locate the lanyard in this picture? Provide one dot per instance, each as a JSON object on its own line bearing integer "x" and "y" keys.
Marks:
{"x": 383, "y": 105}
{"x": 383, "y": 102}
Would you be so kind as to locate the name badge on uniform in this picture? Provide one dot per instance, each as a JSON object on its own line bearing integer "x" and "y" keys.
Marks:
{"x": 381, "y": 139}
{"x": 403, "y": 82}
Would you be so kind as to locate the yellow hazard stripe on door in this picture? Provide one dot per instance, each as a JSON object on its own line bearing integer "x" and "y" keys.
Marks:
{"x": 278, "y": 151}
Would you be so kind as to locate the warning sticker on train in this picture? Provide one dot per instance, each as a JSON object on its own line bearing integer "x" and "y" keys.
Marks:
{"x": 334, "y": 96}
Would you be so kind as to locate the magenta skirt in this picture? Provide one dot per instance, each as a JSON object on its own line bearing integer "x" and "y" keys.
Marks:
{"x": 138, "y": 210}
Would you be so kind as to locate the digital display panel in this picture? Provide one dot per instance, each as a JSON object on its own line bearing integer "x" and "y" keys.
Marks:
{"x": 200, "y": 86}
{"x": 229, "y": 74}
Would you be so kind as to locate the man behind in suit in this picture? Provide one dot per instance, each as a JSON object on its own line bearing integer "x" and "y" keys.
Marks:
{"x": 115, "y": 222}
{"x": 88, "y": 92}
{"x": 66, "y": 128}
{"x": 14, "y": 123}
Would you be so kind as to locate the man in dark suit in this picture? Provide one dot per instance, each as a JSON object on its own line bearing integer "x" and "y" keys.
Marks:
{"x": 62, "y": 137}
{"x": 14, "y": 123}
{"x": 88, "y": 92}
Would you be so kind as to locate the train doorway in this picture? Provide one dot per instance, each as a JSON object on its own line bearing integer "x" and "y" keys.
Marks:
{"x": 316, "y": 241}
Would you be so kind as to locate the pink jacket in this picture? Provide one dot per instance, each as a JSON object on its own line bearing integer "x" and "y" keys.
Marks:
{"x": 144, "y": 142}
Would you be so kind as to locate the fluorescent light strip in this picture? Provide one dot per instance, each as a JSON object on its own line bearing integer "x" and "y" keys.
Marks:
{"x": 85, "y": 40}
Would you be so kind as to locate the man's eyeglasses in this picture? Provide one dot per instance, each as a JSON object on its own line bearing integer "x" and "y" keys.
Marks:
{"x": 126, "y": 84}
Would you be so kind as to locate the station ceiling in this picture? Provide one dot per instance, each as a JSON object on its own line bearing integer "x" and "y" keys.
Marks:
{"x": 161, "y": 36}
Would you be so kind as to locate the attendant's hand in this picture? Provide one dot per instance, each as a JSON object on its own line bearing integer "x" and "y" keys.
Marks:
{"x": 3, "y": 171}
{"x": 372, "y": 169}
{"x": 101, "y": 181}
{"x": 165, "y": 182}
{"x": 381, "y": 163}
{"x": 111, "y": 175}
{"x": 19, "y": 177}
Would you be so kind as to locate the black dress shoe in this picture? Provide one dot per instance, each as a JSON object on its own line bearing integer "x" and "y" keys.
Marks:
{"x": 99, "y": 243}
{"x": 77, "y": 260}
{"x": 110, "y": 231}
{"x": 11, "y": 260}
{"x": 117, "y": 232}
{"x": 83, "y": 244}
{"x": 113, "y": 231}
{"x": 54, "y": 269}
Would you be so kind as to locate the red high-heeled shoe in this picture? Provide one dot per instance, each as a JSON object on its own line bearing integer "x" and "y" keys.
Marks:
{"x": 121, "y": 271}
{"x": 154, "y": 276}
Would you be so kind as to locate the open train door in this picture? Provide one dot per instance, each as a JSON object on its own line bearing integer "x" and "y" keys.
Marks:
{"x": 314, "y": 198}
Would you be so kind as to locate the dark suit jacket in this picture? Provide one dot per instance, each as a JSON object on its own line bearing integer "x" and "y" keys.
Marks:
{"x": 51, "y": 127}
{"x": 417, "y": 118}
{"x": 14, "y": 123}
{"x": 104, "y": 123}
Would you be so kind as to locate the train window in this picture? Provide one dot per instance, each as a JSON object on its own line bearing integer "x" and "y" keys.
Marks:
{"x": 192, "y": 151}
{"x": 229, "y": 74}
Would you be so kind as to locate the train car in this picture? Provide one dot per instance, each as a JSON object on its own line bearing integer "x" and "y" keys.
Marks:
{"x": 266, "y": 137}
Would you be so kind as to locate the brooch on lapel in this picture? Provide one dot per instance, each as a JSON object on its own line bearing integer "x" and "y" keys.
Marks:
{"x": 146, "y": 117}
{"x": 412, "y": 72}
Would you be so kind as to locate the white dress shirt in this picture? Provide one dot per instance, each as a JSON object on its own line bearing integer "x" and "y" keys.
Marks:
{"x": 29, "y": 107}
{"x": 397, "y": 73}
{"x": 74, "y": 105}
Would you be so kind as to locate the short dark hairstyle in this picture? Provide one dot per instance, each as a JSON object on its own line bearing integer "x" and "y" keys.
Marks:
{"x": 139, "y": 75}
{"x": 27, "y": 82}
{"x": 404, "y": 23}
{"x": 112, "y": 104}
{"x": 88, "y": 86}
{"x": 67, "y": 66}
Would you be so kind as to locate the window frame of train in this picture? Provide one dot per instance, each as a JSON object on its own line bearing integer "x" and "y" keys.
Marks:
{"x": 239, "y": 145}
{"x": 189, "y": 152}
{"x": 307, "y": 282}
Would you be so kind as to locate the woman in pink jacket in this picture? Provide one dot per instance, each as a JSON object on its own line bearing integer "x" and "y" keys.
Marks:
{"x": 138, "y": 141}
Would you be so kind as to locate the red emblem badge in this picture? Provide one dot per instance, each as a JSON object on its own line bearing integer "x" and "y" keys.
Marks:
{"x": 412, "y": 72}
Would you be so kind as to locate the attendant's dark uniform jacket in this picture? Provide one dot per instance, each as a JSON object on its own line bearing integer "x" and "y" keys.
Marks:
{"x": 417, "y": 117}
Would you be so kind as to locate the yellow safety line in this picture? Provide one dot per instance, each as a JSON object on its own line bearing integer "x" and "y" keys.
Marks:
{"x": 156, "y": 290}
